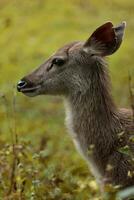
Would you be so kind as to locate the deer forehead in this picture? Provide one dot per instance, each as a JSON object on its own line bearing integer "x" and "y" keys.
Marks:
{"x": 68, "y": 49}
{"x": 76, "y": 47}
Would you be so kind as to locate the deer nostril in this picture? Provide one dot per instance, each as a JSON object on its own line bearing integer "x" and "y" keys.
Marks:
{"x": 21, "y": 84}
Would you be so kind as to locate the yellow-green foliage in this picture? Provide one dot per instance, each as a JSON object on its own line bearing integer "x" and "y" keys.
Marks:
{"x": 43, "y": 163}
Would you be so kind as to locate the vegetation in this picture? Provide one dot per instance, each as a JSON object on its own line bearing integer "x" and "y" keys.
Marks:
{"x": 37, "y": 158}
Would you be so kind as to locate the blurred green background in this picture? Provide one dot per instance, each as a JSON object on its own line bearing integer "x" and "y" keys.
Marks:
{"x": 30, "y": 31}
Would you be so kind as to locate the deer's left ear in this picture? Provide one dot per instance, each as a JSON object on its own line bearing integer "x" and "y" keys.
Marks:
{"x": 106, "y": 39}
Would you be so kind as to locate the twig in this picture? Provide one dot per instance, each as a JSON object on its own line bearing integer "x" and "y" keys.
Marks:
{"x": 14, "y": 115}
{"x": 131, "y": 94}
{"x": 3, "y": 97}
{"x": 14, "y": 144}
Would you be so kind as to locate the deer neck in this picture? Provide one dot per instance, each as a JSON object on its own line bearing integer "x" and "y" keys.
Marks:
{"x": 92, "y": 117}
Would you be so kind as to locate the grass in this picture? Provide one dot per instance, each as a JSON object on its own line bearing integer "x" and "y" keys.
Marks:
{"x": 38, "y": 159}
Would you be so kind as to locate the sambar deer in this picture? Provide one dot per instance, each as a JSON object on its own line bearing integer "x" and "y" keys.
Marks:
{"x": 79, "y": 72}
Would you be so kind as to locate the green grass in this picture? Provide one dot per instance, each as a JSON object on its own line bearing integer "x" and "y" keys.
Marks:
{"x": 47, "y": 165}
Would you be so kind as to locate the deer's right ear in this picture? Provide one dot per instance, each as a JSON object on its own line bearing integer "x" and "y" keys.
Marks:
{"x": 105, "y": 40}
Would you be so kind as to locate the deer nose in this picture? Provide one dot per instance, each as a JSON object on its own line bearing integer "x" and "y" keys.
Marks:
{"x": 21, "y": 84}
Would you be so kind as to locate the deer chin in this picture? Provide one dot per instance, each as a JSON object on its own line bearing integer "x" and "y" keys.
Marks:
{"x": 31, "y": 92}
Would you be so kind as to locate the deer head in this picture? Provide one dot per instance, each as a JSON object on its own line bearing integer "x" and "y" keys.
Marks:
{"x": 69, "y": 69}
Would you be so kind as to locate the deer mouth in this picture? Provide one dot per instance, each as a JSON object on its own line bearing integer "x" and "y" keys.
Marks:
{"x": 30, "y": 89}
{"x": 31, "y": 92}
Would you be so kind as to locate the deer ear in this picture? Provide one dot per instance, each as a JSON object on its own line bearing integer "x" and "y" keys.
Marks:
{"x": 106, "y": 39}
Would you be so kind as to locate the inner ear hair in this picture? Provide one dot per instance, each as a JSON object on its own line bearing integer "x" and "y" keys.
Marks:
{"x": 106, "y": 39}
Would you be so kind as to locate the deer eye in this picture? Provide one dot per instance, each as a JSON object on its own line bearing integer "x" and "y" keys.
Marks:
{"x": 58, "y": 61}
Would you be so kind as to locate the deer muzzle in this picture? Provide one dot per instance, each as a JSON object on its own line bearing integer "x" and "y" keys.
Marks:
{"x": 27, "y": 87}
